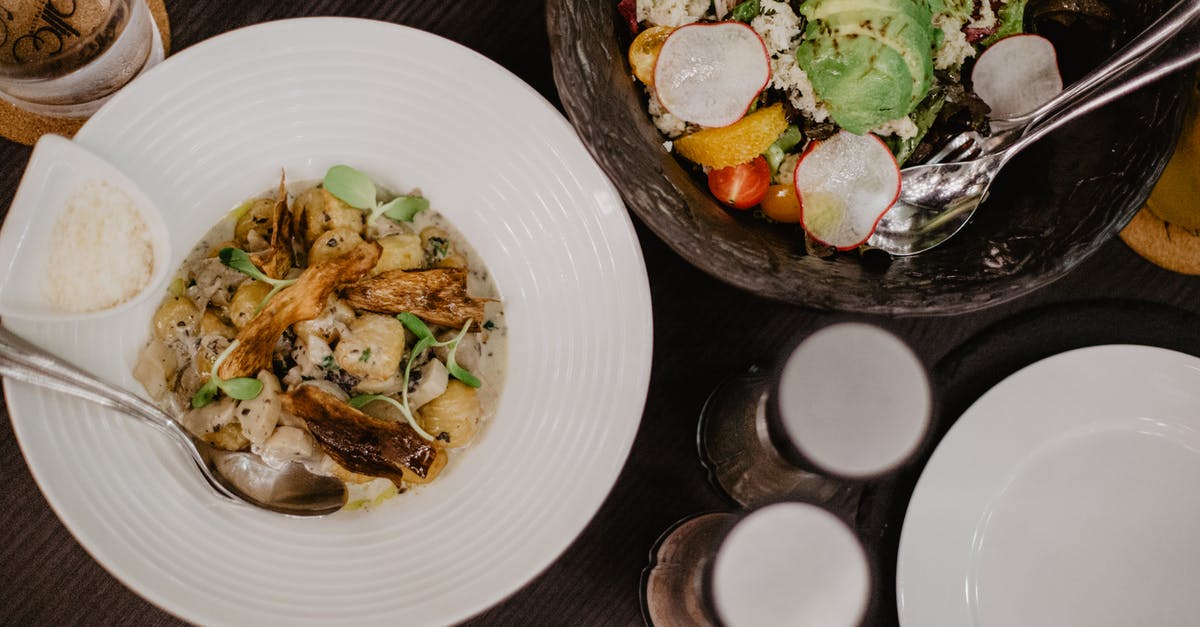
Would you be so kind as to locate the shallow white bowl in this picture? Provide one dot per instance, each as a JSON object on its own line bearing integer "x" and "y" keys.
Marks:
{"x": 213, "y": 126}
{"x": 57, "y": 167}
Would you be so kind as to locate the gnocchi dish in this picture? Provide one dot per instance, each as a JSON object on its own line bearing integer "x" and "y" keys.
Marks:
{"x": 333, "y": 325}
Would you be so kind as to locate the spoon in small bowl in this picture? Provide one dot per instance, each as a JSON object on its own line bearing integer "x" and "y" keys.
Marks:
{"x": 937, "y": 200}
{"x": 239, "y": 476}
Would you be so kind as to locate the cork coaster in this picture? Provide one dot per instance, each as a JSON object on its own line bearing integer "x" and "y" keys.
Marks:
{"x": 24, "y": 127}
{"x": 1163, "y": 244}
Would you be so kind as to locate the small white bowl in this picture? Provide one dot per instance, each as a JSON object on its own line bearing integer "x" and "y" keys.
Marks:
{"x": 56, "y": 169}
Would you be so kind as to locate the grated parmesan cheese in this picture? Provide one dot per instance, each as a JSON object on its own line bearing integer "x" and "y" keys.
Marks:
{"x": 101, "y": 254}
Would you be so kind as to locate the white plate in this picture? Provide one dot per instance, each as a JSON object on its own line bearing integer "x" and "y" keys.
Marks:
{"x": 214, "y": 125}
{"x": 1066, "y": 495}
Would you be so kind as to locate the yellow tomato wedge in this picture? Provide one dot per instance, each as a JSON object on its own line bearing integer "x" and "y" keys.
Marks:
{"x": 781, "y": 204}
{"x": 643, "y": 52}
{"x": 737, "y": 143}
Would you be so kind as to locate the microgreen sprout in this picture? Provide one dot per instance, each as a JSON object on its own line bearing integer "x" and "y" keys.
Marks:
{"x": 356, "y": 189}
{"x": 414, "y": 324}
{"x": 358, "y": 402}
{"x": 241, "y": 388}
{"x": 238, "y": 260}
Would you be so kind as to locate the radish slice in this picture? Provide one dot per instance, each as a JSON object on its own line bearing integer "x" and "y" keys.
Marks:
{"x": 709, "y": 74}
{"x": 845, "y": 184}
{"x": 1017, "y": 75}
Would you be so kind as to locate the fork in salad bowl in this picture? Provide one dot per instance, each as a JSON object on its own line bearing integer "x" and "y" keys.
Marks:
{"x": 1007, "y": 126}
{"x": 936, "y": 200}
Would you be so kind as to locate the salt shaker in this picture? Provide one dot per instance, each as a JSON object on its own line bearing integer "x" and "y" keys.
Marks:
{"x": 849, "y": 403}
{"x": 787, "y": 563}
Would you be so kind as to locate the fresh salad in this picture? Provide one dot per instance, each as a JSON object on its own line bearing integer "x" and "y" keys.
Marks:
{"x": 804, "y": 111}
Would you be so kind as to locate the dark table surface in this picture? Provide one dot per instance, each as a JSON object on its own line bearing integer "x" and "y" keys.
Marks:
{"x": 46, "y": 578}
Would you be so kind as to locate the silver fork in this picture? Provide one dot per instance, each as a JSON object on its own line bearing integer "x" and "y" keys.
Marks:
{"x": 970, "y": 145}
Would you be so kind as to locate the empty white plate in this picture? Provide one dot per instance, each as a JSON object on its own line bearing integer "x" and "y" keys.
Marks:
{"x": 1065, "y": 496}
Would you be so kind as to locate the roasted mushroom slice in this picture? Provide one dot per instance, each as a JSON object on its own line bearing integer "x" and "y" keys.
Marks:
{"x": 438, "y": 296}
{"x": 278, "y": 259}
{"x": 303, "y": 300}
{"x": 362, "y": 444}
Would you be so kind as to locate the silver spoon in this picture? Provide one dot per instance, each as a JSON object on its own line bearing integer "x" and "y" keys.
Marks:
{"x": 937, "y": 200}
{"x": 241, "y": 477}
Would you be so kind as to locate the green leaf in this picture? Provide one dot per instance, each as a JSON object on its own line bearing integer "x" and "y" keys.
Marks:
{"x": 329, "y": 364}
{"x": 1011, "y": 16}
{"x": 242, "y": 388}
{"x": 362, "y": 400}
{"x": 404, "y": 208}
{"x": 416, "y": 325}
{"x": 358, "y": 402}
{"x": 205, "y": 395}
{"x": 365, "y": 356}
{"x": 351, "y": 187}
{"x": 462, "y": 374}
{"x": 237, "y": 259}
{"x": 746, "y": 11}
{"x": 458, "y": 372}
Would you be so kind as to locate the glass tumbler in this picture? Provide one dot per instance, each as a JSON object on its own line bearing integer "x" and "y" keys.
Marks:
{"x": 782, "y": 564}
{"x": 64, "y": 58}
{"x": 849, "y": 403}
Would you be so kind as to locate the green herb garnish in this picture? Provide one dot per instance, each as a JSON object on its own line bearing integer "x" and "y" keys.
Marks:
{"x": 414, "y": 324}
{"x": 358, "y": 402}
{"x": 241, "y": 388}
{"x": 237, "y": 259}
{"x": 365, "y": 356}
{"x": 357, "y": 190}
{"x": 745, "y": 11}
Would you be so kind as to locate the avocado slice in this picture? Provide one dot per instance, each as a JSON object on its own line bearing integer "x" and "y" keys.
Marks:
{"x": 864, "y": 81}
{"x": 912, "y": 38}
{"x": 823, "y": 9}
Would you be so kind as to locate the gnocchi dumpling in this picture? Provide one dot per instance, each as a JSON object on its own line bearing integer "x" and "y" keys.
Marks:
{"x": 371, "y": 348}
{"x": 454, "y": 416}
{"x": 317, "y": 211}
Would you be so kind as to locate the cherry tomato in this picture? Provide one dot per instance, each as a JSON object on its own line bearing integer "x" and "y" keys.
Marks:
{"x": 781, "y": 204}
{"x": 741, "y": 186}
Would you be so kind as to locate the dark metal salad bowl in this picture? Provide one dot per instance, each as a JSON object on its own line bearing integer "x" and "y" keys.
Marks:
{"x": 1050, "y": 209}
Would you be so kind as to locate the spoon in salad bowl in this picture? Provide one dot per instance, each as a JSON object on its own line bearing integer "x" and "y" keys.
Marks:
{"x": 937, "y": 200}
{"x": 238, "y": 476}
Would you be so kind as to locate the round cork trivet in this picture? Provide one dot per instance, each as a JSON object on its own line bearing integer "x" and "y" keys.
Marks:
{"x": 25, "y": 127}
{"x": 1163, "y": 244}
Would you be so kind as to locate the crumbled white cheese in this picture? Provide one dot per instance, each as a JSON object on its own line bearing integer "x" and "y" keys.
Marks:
{"x": 904, "y": 128}
{"x": 668, "y": 145}
{"x": 101, "y": 254}
{"x": 986, "y": 19}
{"x": 666, "y": 122}
{"x": 779, "y": 28}
{"x": 786, "y": 75}
{"x": 671, "y": 12}
{"x": 955, "y": 48}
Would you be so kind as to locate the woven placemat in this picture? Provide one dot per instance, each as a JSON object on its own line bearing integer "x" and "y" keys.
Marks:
{"x": 25, "y": 127}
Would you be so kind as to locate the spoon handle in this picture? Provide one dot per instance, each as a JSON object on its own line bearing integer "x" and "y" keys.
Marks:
{"x": 1183, "y": 54}
{"x": 1173, "y": 22}
{"x": 22, "y": 361}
